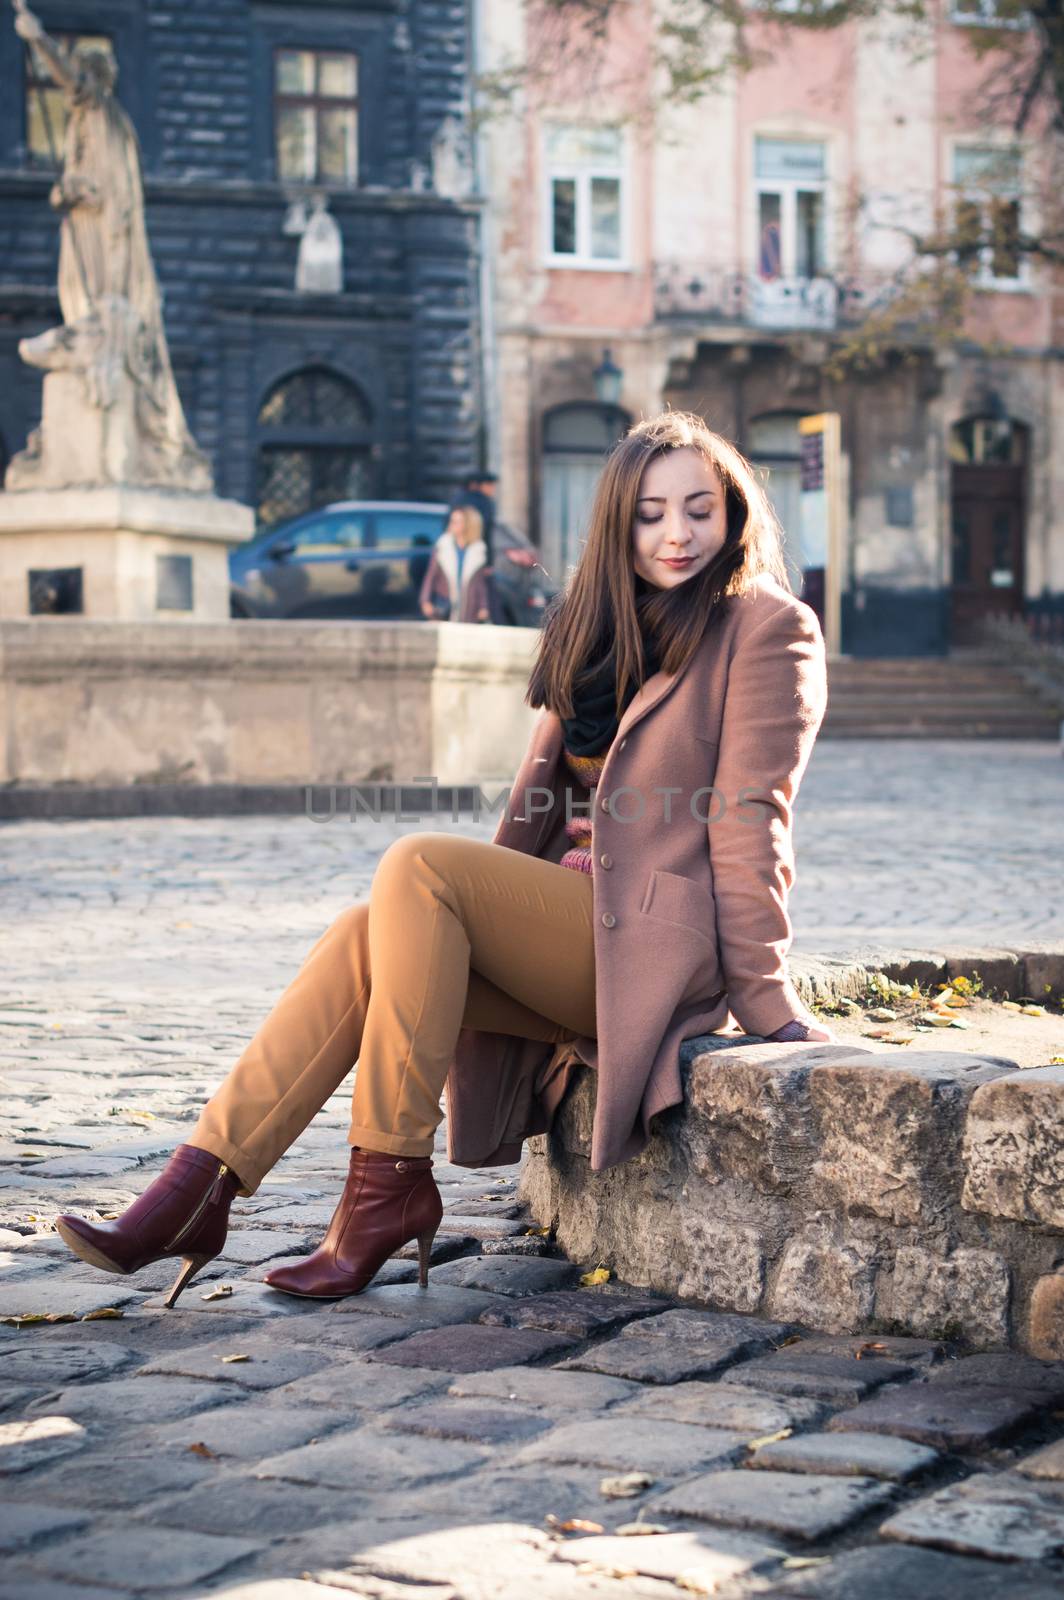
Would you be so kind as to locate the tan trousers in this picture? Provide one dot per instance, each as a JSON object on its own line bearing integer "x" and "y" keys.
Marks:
{"x": 456, "y": 933}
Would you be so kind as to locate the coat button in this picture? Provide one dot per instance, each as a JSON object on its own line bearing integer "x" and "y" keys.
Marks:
{"x": 606, "y": 861}
{"x": 608, "y": 919}
{"x": 606, "y": 803}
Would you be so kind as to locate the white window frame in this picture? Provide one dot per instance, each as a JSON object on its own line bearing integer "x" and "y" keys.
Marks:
{"x": 985, "y": 17}
{"x": 582, "y": 173}
{"x": 788, "y": 190}
{"x": 984, "y": 277}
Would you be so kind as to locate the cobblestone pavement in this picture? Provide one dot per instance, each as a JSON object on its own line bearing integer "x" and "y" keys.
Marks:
{"x": 456, "y": 1444}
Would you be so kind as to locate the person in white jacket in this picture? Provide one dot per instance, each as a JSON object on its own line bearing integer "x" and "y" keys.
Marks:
{"x": 458, "y": 573}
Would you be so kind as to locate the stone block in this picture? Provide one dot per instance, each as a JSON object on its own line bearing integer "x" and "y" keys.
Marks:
{"x": 1043, "y": 973}
{"x": 657, "y": 1360}
{"x": 825, "y": 1285}
{"x": 25, "y": 1445}
{"x": 889, "y": 1130}
{"x": 354, "y": 1386}
{"x": 169, "y": 1556}
{"x": 848, "y": 1455}
{"x": 709, "y": 1327}
{"x": 944, "y": 1418}
{"x": 519, "y": 1245}
{"x": 799, "y": 1507}
{"x": 580, "y": 1312}
{"x": 269, "y": 1364}
{"x": 699, "y": 1563}
{"x": 265, "y": 1507}
{"x": 251, "y": 1246}
{"x": 967, "y": 1292}
{"x": 1004, "y": 1371}
{"x": 126, "y": 1400}
{"x": 477, "y": 1421}
{"x": 567, "y": 1392}
{"x": 897, "y": 1572}
{"x": 723, "y": 1405}
{"x": 25, "y": 1525}
{"x": 1014, "y": 1148}
{"x": 245, "y": 1434}
{"x": 505, "y": 1275}
{"x": 1045, "y": 1323}
{"x": 471, "y": 1348}
{"x": 917, "y": 1354}
{"x": 44, "y": 1293}
{"x": 629, "y": 1444}
{"x": 364, "y": 1455}
{"x": 477, "y": 1228}
{"x": 435, "y": 1306}
{"x": 748, "y": 1113}
{"x": 832, "y": 1379}
{"x": 1045, "y": 1463}
{"x": 45, "y": 1361}
{"x": 723, "y": 1262}
{"x": 998, "y": 1515}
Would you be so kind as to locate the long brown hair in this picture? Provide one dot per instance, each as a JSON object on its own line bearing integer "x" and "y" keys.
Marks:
{"x": 601, "y": 608}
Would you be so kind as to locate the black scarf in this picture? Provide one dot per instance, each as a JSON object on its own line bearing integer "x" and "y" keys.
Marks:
{"x": 594, "y": 722}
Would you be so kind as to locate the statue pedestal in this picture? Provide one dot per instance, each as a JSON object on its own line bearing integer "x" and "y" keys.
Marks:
{"x": 118, "y": 553}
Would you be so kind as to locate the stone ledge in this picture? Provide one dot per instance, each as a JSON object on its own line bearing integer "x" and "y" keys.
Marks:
{"x": 834, "y": 1186}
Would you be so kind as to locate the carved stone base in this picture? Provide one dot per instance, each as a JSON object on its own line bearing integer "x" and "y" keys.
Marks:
{"x": 113, "y": 538}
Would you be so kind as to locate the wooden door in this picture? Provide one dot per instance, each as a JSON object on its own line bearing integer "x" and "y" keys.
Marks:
{"x": 987, "y": 547}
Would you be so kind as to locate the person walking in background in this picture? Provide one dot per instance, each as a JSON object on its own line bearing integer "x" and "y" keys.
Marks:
{"x": 479, "y": 490}
{"x": 456, "y": 586}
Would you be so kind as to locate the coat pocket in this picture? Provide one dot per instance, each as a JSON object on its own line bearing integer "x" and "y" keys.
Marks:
{"x": 689, "y": 905}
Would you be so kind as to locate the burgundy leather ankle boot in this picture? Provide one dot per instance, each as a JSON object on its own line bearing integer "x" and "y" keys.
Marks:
{"x": 387, "y": 1202}
{"x": 183, "y": 1212}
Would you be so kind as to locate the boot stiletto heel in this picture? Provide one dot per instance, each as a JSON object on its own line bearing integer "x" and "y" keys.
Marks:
{"x": 424, "y": 1255}
{"x": 190, "y": 1266}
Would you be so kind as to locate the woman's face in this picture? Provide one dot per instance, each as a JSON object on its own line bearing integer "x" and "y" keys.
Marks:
{"x": 456, "y": 524}
{"x": 680, "y": 518}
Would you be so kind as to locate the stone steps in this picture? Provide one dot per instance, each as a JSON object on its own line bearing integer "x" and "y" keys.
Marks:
{"x": 843, "y": 1188}
{"x": 967, "y": 697}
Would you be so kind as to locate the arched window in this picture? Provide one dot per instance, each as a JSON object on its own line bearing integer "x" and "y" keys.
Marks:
{"x": 576, "y": 439}
{"x": 314, "y": 444}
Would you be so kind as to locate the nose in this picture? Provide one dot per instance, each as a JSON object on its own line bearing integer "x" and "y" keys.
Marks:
{"x": 676, "y": 531}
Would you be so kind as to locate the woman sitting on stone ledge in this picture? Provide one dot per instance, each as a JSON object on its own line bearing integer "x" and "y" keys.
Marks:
{"x": 634, "y": 894}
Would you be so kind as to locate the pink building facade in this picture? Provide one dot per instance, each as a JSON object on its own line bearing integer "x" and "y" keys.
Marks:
{"x": 717, "y": 257}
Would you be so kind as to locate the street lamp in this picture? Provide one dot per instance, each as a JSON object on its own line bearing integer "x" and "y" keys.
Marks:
{"x": 607, "y": 378}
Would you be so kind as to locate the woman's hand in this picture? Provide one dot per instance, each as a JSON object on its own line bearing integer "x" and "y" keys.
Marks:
{"x": 427, "y": 610}
{"x": 483, "y": 615}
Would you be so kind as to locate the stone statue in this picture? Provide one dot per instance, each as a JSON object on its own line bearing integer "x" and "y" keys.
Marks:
{"x": 320, "y": 265}
{"x": 452, "y": 160}
{"x": 112, "y": 413}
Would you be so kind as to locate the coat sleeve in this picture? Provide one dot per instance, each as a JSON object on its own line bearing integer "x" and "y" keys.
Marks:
{"x": 775, "y": 701}
{"x": 428, "y": 582}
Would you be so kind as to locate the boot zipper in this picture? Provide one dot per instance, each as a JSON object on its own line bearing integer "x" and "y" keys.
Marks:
{"x": 213, "y": 1193}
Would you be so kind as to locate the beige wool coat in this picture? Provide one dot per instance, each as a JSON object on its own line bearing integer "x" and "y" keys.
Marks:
{"x": 690, "y": 886}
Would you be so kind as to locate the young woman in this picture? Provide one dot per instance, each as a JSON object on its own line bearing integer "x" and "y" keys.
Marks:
{"x": 634, "y": 894}
{"x": 457, "y": 576}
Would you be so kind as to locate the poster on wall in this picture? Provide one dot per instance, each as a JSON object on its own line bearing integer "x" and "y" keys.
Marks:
{"x": 820, "y": 454}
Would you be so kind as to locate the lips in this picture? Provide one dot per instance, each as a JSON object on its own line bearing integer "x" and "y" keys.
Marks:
{"x": 678, "y": 563}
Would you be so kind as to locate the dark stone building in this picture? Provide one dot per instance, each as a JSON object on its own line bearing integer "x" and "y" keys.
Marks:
{"x": 244, "y": 109}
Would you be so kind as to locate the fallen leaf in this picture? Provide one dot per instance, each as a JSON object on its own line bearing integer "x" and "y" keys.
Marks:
{"x": 1056, "y": 1061}
{"x": 104, "y": 1314}
{"x": 203, "y": 1450}
{"x": 598, "y": 1569}
{"x": 537, "y": 1233}
{"x": 221, "y": 1292}
{"x": 937, "y": 1019}
{"x": 882, "y": 1014}
{"x": 228, "y": 1360}
{"x": 624, "y": 1487}
{"x": 639, "y": 1530}
{"x": 30, "y": 1155}
{"x": 1033, "y": 1011}
{"x": 591, "y": 1280}
{"x": 1011, "y": 1005}
{"x": 870, "y": 1347}
{"x": 769, "y": 1438}
{"x": 572, "y": 1524}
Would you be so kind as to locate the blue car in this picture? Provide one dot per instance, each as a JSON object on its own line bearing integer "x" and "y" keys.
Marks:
{"x": 366, "y": 559}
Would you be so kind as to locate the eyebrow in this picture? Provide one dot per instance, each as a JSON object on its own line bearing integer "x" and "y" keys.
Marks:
{"x": 659, "y": 499}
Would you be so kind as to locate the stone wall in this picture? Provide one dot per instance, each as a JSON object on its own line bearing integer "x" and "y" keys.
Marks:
{"x": 841, "y": 1188}
{"x": 110, "y": 703}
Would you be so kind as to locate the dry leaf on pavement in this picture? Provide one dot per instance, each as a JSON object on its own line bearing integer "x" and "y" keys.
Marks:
{"x": 625, "y": 1486}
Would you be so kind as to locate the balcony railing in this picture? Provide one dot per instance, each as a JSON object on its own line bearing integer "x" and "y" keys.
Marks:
{"x": 684, "y": 292}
